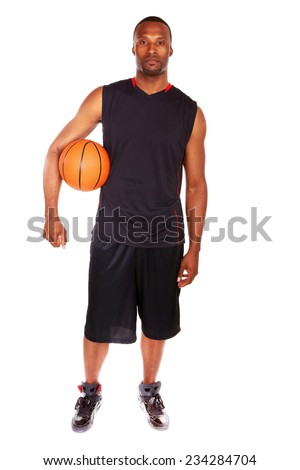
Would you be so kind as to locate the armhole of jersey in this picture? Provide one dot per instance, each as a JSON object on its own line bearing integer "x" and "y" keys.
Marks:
{"x": 192, "y": 123}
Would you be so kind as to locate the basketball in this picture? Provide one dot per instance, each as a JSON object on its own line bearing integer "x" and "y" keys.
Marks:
{"x": 84, "y": 165}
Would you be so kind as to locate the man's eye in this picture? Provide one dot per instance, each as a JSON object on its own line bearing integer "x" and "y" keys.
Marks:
{"x": 142, "y": 41}
{"x": 161, "y": 43}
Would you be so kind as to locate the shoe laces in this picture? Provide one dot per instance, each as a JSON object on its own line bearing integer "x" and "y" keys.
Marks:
{"x": 155, "y": 405}
{"x": 85, "y": 405}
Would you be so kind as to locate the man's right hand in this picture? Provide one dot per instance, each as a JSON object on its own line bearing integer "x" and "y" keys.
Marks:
{"x": 55, "y": 232}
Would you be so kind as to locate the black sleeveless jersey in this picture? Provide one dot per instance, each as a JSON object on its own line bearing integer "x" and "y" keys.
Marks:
{"x": 145, "y": 136}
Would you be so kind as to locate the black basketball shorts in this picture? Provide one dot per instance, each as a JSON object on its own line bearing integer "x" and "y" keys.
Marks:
{"x": 125, "y": 280}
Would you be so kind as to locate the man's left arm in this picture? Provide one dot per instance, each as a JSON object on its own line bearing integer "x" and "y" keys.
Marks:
{"x": 196, "y": 199}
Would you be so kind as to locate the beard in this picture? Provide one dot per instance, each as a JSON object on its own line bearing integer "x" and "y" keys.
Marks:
{"x": 151, "y": 70}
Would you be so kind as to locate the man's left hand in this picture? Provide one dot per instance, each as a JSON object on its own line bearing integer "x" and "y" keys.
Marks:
{"x": 188, "y": 269}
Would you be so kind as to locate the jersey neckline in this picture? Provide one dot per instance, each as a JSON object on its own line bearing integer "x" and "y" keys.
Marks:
{"x": 168, "y": 87}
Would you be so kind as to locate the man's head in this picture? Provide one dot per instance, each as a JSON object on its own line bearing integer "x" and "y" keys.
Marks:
{"x": 152, "y": 39}
{"x": 153, "y": 19}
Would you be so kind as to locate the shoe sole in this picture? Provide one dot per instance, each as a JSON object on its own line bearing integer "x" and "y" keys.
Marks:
{"x": 157, "y": 428}
{"x": 81, "y": 429}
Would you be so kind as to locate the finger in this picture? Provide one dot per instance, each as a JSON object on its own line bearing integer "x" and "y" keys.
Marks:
{"x": 189, "y": 279}
{"x": 62, "y": 242}
{"x": 183, "y": 276}
{"x": 184, "y": 283}
{"x": 188, "y": 276}
{"x": 184, "y": 279}
{"x": 54, "y": 241}
{"x": 182, "y": 268}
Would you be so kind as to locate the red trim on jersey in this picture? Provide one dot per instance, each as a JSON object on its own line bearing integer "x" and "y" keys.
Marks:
{"x": 79, "y": 388}
{"x": 168, "y": 87}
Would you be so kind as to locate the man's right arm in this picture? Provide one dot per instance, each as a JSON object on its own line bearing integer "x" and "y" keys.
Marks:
{"x": 87, "y": 118}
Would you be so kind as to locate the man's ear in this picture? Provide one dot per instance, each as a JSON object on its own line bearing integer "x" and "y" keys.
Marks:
{"x": 133, "y": 52}
{"x": 171, "y": 51}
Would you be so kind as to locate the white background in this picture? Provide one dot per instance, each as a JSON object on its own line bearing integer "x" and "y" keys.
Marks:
{"x": 230, "y": 379}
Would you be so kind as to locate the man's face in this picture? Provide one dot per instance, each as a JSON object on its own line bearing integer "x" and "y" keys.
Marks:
{"x": 152, "y": 48}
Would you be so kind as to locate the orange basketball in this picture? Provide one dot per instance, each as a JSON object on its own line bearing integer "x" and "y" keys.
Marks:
{"x": 84, "y": 165}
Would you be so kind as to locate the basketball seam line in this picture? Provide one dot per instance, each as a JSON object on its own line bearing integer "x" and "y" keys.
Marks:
{"x": 81, "y": 159}
{"x": 63, "y": 163}
{"x": 100, "y": 161}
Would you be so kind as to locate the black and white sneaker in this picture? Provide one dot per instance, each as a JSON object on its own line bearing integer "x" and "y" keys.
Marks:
{"x": 152, "y": 404}
{"x": 86, "y": 406}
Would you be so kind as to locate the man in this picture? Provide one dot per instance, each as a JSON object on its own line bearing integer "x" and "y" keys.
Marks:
{"x": 150, "y": 129}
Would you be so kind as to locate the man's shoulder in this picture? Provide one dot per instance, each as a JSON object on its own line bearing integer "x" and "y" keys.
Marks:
{"x": 182, "y": 95}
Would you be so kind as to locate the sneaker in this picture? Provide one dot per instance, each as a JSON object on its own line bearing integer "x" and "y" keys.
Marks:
{"x": 86, "y": 406}
{"x": 152, "y": 404}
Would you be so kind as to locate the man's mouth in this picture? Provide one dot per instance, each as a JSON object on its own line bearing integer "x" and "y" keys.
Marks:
{"x": 151, "y": 60}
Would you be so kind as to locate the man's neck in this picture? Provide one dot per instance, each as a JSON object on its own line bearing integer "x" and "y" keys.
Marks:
{"x": 151, "y": 85}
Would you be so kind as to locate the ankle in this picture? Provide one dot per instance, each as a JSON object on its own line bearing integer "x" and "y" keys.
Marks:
{"x": 149, "y": 379}
{"x": 149, "y": 389}
{"x": 90, "y": 389}
{"x": 91, "y": 380}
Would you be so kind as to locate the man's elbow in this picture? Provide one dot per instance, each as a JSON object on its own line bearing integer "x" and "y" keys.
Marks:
{"x": 198, "y": 185}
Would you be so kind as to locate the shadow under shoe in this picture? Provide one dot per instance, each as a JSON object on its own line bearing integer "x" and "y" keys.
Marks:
{"x": 152, "y": 404}
{"x": 86, "y": 406}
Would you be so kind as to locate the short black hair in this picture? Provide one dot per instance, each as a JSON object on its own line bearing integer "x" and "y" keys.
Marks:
{"x": 155, "y": 19}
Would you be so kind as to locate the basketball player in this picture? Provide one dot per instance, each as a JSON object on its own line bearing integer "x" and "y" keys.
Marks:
{"x": 150, "y": 130}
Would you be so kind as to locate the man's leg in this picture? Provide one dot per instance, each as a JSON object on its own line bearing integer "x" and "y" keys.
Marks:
{"x": 111, "y": 318}
{"x": 158, "y": 303}
{"x": 91, "y": 399}
{"x": 149, "y": 397}
{"x": 94, "y": 356}
{"x": 152, "y": 351}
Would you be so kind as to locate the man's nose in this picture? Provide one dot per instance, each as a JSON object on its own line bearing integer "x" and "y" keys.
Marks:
{"x": 152, "y": 48}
